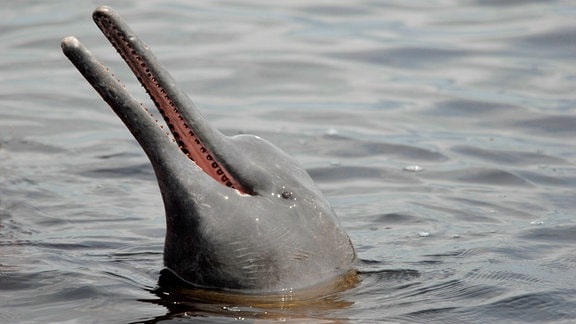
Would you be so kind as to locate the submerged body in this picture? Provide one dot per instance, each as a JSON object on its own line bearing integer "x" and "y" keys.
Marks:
{"x": 240, "y": 213}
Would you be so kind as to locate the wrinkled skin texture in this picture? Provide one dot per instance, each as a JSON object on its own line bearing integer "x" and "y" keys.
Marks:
{"x": 240, "y": 213}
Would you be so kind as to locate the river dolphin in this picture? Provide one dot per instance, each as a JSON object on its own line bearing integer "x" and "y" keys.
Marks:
{"x": 241, "y": 215}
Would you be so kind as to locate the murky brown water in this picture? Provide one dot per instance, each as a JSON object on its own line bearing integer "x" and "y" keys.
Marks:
{"x": 479, "y": 94}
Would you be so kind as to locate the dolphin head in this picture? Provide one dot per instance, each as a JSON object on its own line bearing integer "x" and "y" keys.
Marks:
{"x": 241, "y": 214}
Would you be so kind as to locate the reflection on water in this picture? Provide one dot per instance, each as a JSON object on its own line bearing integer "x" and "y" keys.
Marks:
{"x": 182, "y": 301}
{"x": 477, "y": 96}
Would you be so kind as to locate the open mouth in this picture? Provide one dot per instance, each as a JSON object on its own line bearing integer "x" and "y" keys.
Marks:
{"x": 160, "y": 86}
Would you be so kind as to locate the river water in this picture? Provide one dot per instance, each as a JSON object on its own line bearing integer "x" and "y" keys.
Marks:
{"x": 443, "y": 133}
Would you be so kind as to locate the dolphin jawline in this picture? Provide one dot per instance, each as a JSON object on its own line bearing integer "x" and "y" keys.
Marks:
{"x": 241, "y": 215}
{"x": 195, "y": 138}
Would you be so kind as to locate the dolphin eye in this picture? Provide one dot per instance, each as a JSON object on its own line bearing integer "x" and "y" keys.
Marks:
{"x": 286, "y": 195}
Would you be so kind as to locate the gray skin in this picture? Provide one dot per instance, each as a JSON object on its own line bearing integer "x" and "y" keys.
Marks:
{"x": 241, "y": 214}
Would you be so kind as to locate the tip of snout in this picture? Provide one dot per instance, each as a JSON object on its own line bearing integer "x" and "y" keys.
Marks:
{"x": 69, "y": 43}
{"x": 102, "y": 11}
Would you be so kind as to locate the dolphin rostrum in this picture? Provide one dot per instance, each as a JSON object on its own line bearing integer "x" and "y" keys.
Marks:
{"x": 241, "y": 215}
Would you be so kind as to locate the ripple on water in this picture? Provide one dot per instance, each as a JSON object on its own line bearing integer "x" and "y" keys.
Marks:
{"x": 562, "y": 234}
{"x": 541, "y": 306}
{"x": 508, "y": 158}
{"x": 479, "y": 175}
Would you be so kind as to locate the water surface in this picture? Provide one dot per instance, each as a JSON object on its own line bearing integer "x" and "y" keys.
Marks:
{"x": 443, "y": 133}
